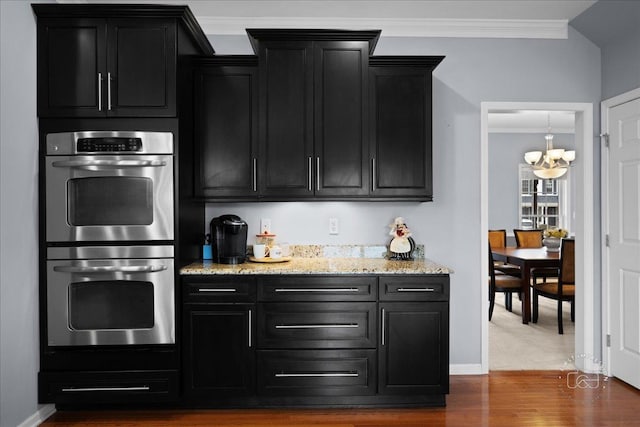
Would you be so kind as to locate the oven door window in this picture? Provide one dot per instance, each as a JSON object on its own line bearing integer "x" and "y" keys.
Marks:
{"x": 111, "y": 304}
{"x": 117, "y": 200}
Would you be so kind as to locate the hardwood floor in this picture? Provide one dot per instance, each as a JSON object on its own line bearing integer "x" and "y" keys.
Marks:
{"x": 503, "y": 398}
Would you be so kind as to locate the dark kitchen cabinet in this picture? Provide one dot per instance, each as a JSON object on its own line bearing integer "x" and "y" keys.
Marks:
{"x": 413, "y": 355}
{"x": 226, "y": 121}
{"x": 218, "y": 338}
{"x": 401, "y": 127}
{"x": 106, "y": 67}
{"x": 313, "y": 113}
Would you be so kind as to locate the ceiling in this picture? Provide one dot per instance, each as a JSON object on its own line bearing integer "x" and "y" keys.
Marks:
{"x": 531, "y": 121}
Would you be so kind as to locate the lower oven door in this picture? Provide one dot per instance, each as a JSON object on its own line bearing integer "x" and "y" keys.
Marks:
{"x": 110, "y": 302}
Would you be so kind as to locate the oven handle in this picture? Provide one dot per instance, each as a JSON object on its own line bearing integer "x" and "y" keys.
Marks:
{"x": 110, "y": 164}
{"x": 111, "y": 269}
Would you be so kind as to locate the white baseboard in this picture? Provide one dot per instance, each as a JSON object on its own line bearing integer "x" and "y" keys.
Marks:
{"x": 466, "y": 369}
{"x": 44, "y": 412}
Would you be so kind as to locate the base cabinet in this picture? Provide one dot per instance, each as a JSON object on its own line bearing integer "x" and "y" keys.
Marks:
{"x": 315, "y": 340}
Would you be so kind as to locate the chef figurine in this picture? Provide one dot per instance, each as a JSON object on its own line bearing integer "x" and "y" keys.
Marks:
{"x": 402, "y": 244}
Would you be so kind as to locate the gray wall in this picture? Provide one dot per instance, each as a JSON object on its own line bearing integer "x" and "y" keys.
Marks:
{"x": 506, "y": 151}
{"x": 474, "y": 70}
{"x": 18, "y": 214}
{"x": 621, "y": 64}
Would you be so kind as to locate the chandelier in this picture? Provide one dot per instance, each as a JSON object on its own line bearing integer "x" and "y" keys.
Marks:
{"x": 554, "y": 162}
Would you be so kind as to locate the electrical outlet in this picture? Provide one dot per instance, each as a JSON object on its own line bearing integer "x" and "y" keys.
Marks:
{"x": 333, "y": 226}
{"x": 265, "y": 226}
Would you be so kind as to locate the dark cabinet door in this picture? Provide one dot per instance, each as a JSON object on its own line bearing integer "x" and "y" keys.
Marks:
{"x": 401, "y": 132}
{"x": 141, "y": 74}
{"x": 218, "y": 354}
{"x": 226, "y": 131}
{"x": 414, "y": 348}
{"x": 91, "y": 67}
{"x": 71, "y": 67}
{"x": 340, "y": 117}
{"x": 286, "y": 119}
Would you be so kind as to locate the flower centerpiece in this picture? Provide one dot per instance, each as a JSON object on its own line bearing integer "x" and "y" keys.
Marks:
{"x": 552, "y": 238}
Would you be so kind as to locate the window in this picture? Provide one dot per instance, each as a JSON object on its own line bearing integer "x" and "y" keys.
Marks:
{"x": 542, "y": 202}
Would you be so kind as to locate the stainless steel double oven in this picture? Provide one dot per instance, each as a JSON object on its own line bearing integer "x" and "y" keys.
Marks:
{"x": 109, "y": 218}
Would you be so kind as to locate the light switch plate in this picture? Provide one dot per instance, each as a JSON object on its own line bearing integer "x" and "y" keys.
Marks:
{"x": 265, "y": 226}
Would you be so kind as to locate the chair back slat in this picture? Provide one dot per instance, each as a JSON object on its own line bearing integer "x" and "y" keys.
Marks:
{"x": 568, "y": 262}
{"x": 528, "y": 238}
{"x": 497, "y": 238}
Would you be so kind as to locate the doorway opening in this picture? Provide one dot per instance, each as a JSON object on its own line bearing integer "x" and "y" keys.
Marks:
{"x": 586, "y": 341}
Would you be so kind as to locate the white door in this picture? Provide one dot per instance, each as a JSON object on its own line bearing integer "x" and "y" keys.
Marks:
{"x": 624, "y": 241}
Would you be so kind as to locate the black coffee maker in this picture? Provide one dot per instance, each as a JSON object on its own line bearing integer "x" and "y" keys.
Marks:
{"x": 228, "y": 239}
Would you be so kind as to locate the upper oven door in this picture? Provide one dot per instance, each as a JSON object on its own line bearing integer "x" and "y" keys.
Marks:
{"x": 109, "y": 198}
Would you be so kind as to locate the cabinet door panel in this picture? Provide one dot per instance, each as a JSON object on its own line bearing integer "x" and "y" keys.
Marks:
{"x": 340, "y": 133}
{"x": 287, "y": 120}
{"x": 401, "y": 117}
{"x": 71, "y": 55}
{"x": 414, "y": 350}
{"x": 226, "y": 123}
{"x": 219, "y": 357}
{"x": 142, "y": 68}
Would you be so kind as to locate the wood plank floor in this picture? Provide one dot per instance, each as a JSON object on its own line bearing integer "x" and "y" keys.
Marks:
{"x": 503, "y": 398}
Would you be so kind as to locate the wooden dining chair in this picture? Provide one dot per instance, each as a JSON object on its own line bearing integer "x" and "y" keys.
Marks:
{"x": 561, "y": 290}
{"x": 500, "y": 282}
{"x": 498, "y": 239}
{"x": 528, "y": 238}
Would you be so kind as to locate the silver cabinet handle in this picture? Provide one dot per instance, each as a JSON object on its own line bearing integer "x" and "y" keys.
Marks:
{"x": 373, "y": 174}
{"x": 416, "y": 290}
{"x": 317, "y": 290}
{"x": 382, "y": 327}
{"x": 89, "y": 389}
{"x": 250, "y": 323}
{"x": 317, "y": 374}
{"x": 217, "y": 290}
{"x": 99, "y": 91}
{"x": 111, "y": 269}
{"x": 328, "y": 326}
{"x": 318, "y": 173}
{"x": 112, "y": 164}
{"x": 310, "y": 175}
{"x": 255, "y": 174}
{"x": 109, "y": 90}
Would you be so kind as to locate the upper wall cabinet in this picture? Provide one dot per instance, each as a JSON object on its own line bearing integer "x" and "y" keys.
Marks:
{"x": 400, "y": 126}
{"x": 109, "y": 60}
{"x": 313, "y": 113}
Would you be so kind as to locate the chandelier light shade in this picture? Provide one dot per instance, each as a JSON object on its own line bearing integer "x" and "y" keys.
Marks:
{"x": 552, "y": 163}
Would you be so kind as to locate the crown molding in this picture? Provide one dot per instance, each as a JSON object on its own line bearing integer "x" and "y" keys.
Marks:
{"x": 415, "y": 27}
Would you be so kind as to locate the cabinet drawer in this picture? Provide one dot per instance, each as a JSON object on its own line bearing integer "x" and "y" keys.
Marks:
{"x": 319, "y": 372}
{"x": 414, "y": 288}
{"x": 309, "y": 325}
{"x": 326, "y": 288}
{"x": 219, "y": 289}
{"x": 108, "y": 387}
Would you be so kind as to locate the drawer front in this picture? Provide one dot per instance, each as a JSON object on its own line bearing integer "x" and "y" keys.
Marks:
{"x": 219, "y": 289}
{"x": 108, "y": 387}
{"x": 414, "y": 288}
{"x": 320, "y": 288}
{"x": 317, "y": 325}
{"x": 317, "y": 372}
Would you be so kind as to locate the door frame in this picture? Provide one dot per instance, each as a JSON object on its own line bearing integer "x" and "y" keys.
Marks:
{"x": 605, "y": 107}
{"x": 584, "y": 225}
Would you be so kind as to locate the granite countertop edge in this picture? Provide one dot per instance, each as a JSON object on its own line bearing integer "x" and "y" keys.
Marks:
{"x": 319, "y": 266}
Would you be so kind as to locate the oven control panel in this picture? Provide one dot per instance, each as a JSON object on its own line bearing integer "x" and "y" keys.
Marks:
{"x": 108, "y": 144}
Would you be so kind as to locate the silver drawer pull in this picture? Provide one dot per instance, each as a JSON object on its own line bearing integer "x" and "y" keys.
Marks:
{"x": 319, "y": 374}
{"x": 416, "y": 290}
{"x": 317, "y": 290}
{"x": 89, "y": 389}
{"x": 330, "y": 326}
{"x": 217, "y": 290}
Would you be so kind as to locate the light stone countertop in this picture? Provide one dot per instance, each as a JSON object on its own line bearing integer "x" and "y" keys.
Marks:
{"x": 320, "y": 266}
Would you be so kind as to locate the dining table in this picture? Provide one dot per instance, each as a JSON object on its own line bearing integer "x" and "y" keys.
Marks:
{"x": 526, "y": 259}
